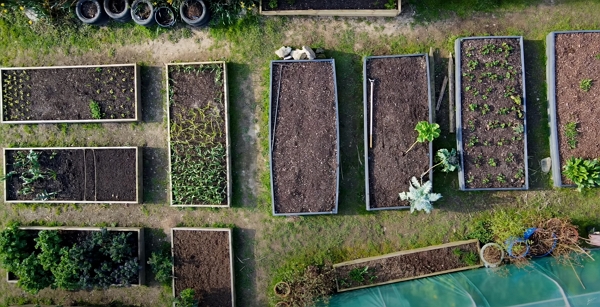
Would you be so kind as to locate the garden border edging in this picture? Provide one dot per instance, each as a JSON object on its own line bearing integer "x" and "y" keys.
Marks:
{"x": 341, "y": 13}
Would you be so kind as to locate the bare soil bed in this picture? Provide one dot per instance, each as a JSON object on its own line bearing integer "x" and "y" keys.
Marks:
{"x": 327, "y": 5}
{"x": 202, "y": 262}
{"x": 577, "y": 59}
{"x": 493, "y": 113}
{"x": 66, "y": 94}
{"x": 400, "y": 101}
{"x": 198, "y": 138}
{"x": 304, "y": 148}
{"x": 102, "y": 175}
{"x": 406, "y": 266}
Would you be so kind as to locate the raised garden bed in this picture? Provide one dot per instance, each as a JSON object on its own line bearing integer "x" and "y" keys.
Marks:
{"x": 203, "y": 261}
{"x": 407, "y": 265}
{"x": 491, "y": 129}
{"x": 199, "y": 153}
{"x": 96, "y": 257}
{"x": 70, "y": 94}
{"x": 401, "y": 99}
{"x": 304, "y": 134}
{"x": 572, "y": 58}
{"x": 383, "y": 8}
{"x": 73, "y": 175}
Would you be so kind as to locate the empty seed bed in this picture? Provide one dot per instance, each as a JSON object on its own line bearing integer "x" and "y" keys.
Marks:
{"x": 387, "y": 8}
{"x": 491, "y": 130}
{"x": 203, "y": 261}
{"x": 407, "y": 265}
{"x": 401, "y": 98}
{"x": 199, "y": 153}
{"x": 73, "y": 175}
{"x": 304, "y": 151}
{"x": 70, "y": 94}
{"x": 93, "y": 257}
{"x": 572, "y": 68}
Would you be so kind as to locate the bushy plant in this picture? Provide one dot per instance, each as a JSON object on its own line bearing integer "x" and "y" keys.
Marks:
{"x": 447, "y": 159}
{"x": 162, "y": 266}
{"x": 32, "y": 276}
{"x": 13, "y": 247}
{"x": 186, "y": 299}
{"x": 584, "y": 173}
{"x": 427, "y": 132}
{"x": 419, "y": 196}
{"x": 48, "y": 242}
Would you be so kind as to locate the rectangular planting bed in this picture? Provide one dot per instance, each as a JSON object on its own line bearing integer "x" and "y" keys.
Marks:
{"x": 401, "y": 99}
{"x": 79, "y": 258}
{"x": 73, "y": 175}
{"x": 304, "y": 137}
{"x": 382, "y": 8}
{"x": 203, "y": 261}
{"x": 572, "y": 69}
{"x": 407, "y": 265}
{"x": 70, "y": 94}
{"x": 199, "y": 153}
{"x": 491, "y": 129}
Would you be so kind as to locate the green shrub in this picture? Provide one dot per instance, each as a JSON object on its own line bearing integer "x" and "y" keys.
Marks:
{"x": 32, "y": 276}
{"x": 481, "y": 230}
{"x": 162, "y": 266}
{"x": 584, "y": 173}
{"x": 13, "y": 247}
{"x": 186, "y": 299}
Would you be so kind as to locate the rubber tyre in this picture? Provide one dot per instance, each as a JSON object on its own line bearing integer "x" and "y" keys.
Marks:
{"x": 143, "y": 22}
{"x": 156, "y": 12}
{"x": 100, "y": 19}
{"x": 200, "y": 21}
{"x": 124, "y": 16}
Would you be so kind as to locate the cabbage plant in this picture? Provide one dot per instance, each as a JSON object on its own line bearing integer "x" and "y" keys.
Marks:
{"x": 419, "y": 196}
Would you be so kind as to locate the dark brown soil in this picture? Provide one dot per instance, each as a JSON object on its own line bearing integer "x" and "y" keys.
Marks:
{"x": 492, "y": 254}
{"x": 192, "y": 10}
{"x": 89, "y": 9}
{"x": 497, "y": 134}
{"x": 117, "y": 6}
{"x": 327, "y": 5}
{"x": 575, "y": 61}
{"x": 405, "y": 266}
{"x": 400, "y": 101}
{"x": 304, "y": 149}
{"x": 541, "y": 242}
{"x": 81, "y": 175}
{"x": 143, "y": 11}
{"x": 197, "y": 118}
{"x": 202, "y": 262}
{"x": 164, "y": 16}
{"x": 66, "y": 93}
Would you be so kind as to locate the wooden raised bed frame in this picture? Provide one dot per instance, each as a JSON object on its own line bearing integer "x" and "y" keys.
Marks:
{"x": 137, "y": 102}
{"x": 140, "y": 238}
{"x": 406, "y": 252}
{"x": 229, "y": 233}
{"x": 348, "y": 13}
{"x": 139, "y": 176}
{"x": 227, "y": 137}
{"x": 459, "y": 127}
{"x": 271, "y": 138}
{"x": 366, "y": 99}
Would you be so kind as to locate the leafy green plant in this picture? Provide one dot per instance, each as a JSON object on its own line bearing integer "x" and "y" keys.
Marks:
{"x": 520, "y": 174}
{"x": 162, "y": 266}
{"x": 186, "y": 298}
{"x": 419, "y": 196}
{"x": 13, "y": 247}
{"x": 472, "y": 64}
{"x": 272, "y": 4}
{"x": 485, "y": 110}
{"x": 427, "y": 132}
{"x": 447, "y": 159}
{"x": 481, "y": 230}
{"x": 516, "y": 99}
{"x": 473, "y": 107}
{"x": 95, "y": 110}
{"x": 571, "y": 134}
{"x": 510, "y": 157}
{"x": 585, "y": 85}
{"x": 501, "y": 178}
{"x": 470, "y": 258}
{"x": 584, "y": 173}
{"x": 390, "y": 5}
{"x": 492, "y": 162}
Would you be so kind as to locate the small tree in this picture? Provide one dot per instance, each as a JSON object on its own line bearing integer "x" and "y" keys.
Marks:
{"x": 427, "y": 132}
{"x": 448, "y": 159}
{"x": 419, "y": 197}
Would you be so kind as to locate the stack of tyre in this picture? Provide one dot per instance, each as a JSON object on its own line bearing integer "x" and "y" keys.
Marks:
{"x": 99, "y": 12}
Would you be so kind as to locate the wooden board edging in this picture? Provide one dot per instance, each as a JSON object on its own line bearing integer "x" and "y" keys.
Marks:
{"x": 341, "y": 13}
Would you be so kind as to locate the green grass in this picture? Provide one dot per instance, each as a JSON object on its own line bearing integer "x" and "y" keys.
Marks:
{"x": 430, "y": 10}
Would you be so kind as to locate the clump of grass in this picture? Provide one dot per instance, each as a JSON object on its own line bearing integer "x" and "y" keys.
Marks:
{"x": 585, "y": 85}
{"x": 95, "y": 110}
{"x": 571, "y": 134}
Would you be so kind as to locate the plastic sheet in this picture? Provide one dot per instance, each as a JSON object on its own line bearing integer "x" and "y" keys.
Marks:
{"x": 544, "y": 283}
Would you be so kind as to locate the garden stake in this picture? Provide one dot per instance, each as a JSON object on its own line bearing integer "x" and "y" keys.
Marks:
{"x": 371, "y": 111}
{"x": 276, "y": 106}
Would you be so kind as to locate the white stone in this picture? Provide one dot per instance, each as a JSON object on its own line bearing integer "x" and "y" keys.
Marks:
{"x": 297, "y": 54}
{"x": 546, "y": 163}
{"x": 309, "y": 52}
{"x": 31, "y": 14}
{"x": 283, "y": 51}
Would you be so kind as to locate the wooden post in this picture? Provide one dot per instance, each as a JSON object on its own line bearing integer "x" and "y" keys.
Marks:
{"x": 451, "y": 93}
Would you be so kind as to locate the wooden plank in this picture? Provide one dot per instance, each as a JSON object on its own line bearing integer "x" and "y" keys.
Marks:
{"x": 442, "y": 92}
{"x": 451, "y": 93}
{"x": 347, "y": 13}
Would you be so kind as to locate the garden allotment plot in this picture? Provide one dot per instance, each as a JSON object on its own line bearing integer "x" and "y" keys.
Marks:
{"x": 304, "y": 137}
{"x": 198, "y": 134}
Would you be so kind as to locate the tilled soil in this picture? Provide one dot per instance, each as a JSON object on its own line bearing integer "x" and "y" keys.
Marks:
{"x": 327, "y": 5}
{"x": 81, "y": 175}
{"x": 202, "y": 262}
{"x": 66, "y": 93}
{"x": 576, "y": 60}
{"x": 492, "y": 121}
{"x": 305, "y": 138}
{"x": 406, "y": 266}
{"x": 400, "y": 101}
